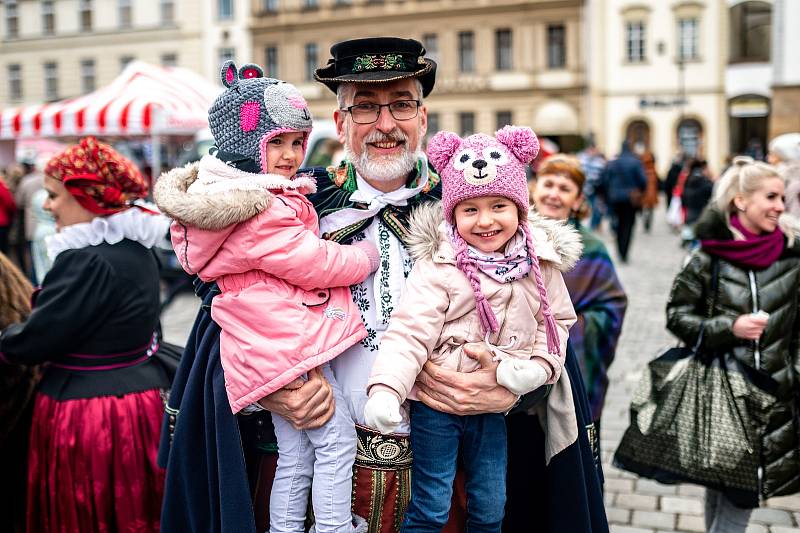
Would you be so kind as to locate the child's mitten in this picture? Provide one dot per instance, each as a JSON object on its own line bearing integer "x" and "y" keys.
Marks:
{"x": 520, "y": 376}
{"x": 382, "y": 411}
{"x": 372, "y": 254}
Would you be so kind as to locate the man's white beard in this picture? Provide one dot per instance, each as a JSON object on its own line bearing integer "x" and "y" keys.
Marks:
{"x": 383, "y": 168}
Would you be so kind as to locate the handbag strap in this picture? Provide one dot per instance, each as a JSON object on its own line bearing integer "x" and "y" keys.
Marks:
{"x": 713, "y": 289}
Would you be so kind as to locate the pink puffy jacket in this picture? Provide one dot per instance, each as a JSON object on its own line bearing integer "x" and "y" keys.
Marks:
{"x": 285, "y": 306}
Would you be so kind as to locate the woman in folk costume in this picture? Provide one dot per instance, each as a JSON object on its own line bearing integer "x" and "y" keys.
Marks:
{"x": 17, "y": 384}
{"x": 285, "y": 309}
{"x": 481, "y": 275}
{"x": 593, "y": 285}
{"x": 756, "y": 317}
{"x": 96, "y": 420}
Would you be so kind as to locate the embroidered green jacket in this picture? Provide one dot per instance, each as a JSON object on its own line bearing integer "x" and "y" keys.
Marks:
{"x": 335, "y": 185}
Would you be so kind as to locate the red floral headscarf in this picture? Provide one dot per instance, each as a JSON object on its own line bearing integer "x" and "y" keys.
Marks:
{"x": 100, "y": 178}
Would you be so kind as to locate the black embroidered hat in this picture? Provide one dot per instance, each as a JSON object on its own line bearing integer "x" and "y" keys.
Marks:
{"x": 377, "y": 59}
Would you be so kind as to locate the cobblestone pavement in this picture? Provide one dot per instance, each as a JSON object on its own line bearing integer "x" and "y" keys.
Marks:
{"x": 633, "y": 505}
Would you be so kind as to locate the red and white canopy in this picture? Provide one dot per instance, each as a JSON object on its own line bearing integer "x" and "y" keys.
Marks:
{"x": 144, "y": 99}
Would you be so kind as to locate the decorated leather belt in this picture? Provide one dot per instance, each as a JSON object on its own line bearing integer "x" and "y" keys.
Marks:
{"x": 382, "y": 452}
{"x": 113, "y": 361}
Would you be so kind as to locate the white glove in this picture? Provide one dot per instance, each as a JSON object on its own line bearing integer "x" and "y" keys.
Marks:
{"x": 382, "y": 412}
{"x": 520, "y": 376}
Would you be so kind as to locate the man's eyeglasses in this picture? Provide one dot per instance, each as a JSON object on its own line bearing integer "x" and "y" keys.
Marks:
{"x": 369, "y": 113}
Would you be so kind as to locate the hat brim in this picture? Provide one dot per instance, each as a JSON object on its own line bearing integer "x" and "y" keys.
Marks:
{"x": 426, "y": 75}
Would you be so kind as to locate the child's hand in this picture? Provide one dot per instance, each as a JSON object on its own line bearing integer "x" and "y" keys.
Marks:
{"x": 382, "y": 411}
{"x": 520, "y": 376}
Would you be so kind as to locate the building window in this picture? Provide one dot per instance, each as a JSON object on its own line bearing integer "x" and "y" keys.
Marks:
{"x": 310, "y": 4}
{"x": 227, "y": 53}
{"x": 270, "y": 6}
{"x": 502, "y": 119}
{"x": 343, "y": 2}
{"x": 431, "y": 43}
{"x": 433, "y": 125}
{"x": 503, "y": 49}
{"x": 556, "y": 46}
{"x": 169, "y": 60}
{"x": 12, "y": 19}
{"x": 751, "y": 26}
{"x": 124, "y": 61}
{"x": 687, "y": 39}
{"x": 466, "y": 51}
{"x": 635, "y": 42}
{"x": 88, "y": 80}
{"x": 167, "y": 12}
{"x": 225, "y": 9}
{"x": 125, "y": 14}
{"x": 50, "y": 81}
{"x": 271, "y": 61}
{"x": 466, "y": 123}
{"x": 15, "y": 82}
{"x": 48, "y": 18}
{"x": 85, "y": 9}
{"x": 311, "y": 61}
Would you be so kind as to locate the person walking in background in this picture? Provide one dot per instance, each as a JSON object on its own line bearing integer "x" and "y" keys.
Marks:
{"x": 44, "y": 226}
{"x": 756, "y": 317}
{"x": 624, "y": 183}
{"x": 17, "y": 384}
{"x": 650, "y": 198}
{"x": 675, "y": 169}
{"x": 695, "y": 195}
{"x": 28, "y": 185}
{"x": 593, "y": 164}
{"x": 593, "y": 285}
{"x": 8, "y": 208}
{"x": 784, "y": 153}
{"x": 97, "y": 412}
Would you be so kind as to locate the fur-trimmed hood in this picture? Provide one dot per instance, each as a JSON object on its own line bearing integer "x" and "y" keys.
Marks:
{"x": 556, "y": 242}
{"x": 712, "y": 225}
{"x": 220, "y": 195}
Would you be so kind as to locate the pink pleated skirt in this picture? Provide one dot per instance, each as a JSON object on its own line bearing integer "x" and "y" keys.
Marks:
{"x": 92, "y": 464}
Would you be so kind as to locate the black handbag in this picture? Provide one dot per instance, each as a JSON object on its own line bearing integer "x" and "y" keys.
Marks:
{"x": 695, "y": 418}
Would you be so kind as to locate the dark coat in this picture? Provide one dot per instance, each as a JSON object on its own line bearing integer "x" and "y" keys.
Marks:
{"x": 776, "y": 292}
{"x": 623, "y": 177}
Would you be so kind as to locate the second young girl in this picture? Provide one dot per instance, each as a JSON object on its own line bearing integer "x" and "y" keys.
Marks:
{"x": 482, "y": 275}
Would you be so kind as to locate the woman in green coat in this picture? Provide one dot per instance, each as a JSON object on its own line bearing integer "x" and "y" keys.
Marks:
{"x": 756, "y": 317}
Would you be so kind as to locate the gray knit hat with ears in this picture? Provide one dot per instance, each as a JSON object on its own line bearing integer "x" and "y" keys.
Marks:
{"x": 251, "y": 110}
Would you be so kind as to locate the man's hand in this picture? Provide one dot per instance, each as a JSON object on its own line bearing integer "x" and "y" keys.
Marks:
{"x": 458, "y": 393}
{"x": 307, "y": 406}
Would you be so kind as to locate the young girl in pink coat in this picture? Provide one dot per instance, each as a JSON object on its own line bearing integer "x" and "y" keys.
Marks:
{"x": 241, "y": 219}
{"x": 484, "y": 274}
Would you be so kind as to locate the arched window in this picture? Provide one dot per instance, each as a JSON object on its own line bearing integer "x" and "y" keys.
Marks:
{"x": 751, "y": 25}
{"x": 690, "y": 137}
{"x": 638, "y": 135}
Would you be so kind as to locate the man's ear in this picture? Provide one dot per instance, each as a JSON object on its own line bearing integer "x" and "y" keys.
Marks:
{"x": 423, "y": 124}
{"x": 340, "y": 117}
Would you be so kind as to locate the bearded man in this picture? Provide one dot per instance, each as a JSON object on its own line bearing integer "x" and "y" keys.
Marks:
{"x": 380, "y": 84}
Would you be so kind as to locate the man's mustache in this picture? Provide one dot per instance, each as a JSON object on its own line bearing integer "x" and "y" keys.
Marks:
{"x": 396, "y": 135}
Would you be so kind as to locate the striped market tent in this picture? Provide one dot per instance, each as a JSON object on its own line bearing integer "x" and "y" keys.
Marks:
{"x": 143, "y": 100}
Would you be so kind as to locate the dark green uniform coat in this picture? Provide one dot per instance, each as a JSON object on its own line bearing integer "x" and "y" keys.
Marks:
{"x": 776, "y": 290}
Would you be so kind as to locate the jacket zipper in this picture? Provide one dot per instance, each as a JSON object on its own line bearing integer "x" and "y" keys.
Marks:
{"x": 757, "y": 355}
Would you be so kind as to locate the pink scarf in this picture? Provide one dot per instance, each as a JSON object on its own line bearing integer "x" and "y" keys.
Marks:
{"x": 505, "y": 267}
{"x": 756, "y": 251}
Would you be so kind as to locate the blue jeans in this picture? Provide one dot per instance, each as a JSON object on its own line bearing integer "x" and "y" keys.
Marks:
{"x": 436, "y": 441}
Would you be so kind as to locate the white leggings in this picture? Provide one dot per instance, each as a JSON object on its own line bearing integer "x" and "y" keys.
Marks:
{"x": 722, "y": 516}
{"x": 318, "y": 459}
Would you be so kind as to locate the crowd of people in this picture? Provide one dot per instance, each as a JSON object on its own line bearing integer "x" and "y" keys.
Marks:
{"x": 409, "y": 340}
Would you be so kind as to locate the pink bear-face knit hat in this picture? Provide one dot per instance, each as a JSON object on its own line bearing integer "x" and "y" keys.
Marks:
{"x": 479, "y": 166}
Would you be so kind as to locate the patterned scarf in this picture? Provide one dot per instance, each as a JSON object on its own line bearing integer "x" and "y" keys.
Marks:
{"x": 505, "y": 267}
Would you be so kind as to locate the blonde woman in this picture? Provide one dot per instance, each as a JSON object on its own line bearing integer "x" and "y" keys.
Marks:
{"x": 756, "y": 317}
